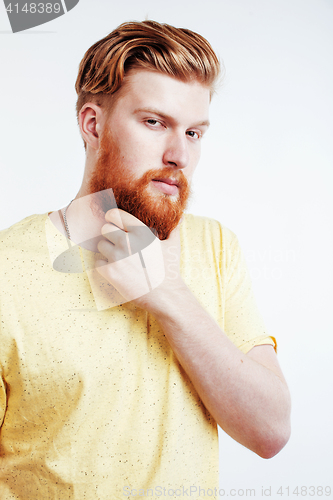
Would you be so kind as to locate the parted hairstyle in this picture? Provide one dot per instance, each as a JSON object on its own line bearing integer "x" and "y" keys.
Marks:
{"x": 149, "y": 45}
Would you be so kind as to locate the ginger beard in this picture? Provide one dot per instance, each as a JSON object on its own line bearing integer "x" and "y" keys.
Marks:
{"x": 159, "y": 211}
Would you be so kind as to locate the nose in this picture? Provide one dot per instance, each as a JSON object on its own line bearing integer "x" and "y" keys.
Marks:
{"x": 176, "y": 152}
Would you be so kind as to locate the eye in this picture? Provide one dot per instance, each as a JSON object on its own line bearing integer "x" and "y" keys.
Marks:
{"x": 193, "y": 134}
{"x": 152, "y": 122}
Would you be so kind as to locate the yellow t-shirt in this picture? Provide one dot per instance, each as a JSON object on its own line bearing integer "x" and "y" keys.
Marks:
{"x": 93, "y": 403}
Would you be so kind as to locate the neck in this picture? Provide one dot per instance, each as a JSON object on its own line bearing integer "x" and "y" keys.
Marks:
{"x": 84, "y": 224}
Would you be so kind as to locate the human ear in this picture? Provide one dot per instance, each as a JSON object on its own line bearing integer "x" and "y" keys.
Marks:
{"x": 91, "y": 124}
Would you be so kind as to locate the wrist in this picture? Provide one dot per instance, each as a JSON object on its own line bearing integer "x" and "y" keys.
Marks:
{"x": 167, "y": 300}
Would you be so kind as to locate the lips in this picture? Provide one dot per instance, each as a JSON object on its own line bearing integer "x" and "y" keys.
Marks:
{"x": 167, "y": 180}
{"x": 166, "y": 185}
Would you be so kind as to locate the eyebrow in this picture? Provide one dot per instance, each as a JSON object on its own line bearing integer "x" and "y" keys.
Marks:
{"x": 204, "y": 123}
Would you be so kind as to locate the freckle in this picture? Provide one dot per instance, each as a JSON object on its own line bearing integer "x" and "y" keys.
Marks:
{"x": 241, "y": 361}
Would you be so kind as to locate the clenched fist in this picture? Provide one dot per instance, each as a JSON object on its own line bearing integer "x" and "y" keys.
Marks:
{"x": 137, "y": 264}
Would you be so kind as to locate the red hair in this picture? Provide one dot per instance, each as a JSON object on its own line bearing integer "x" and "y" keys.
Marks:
{"x": 177, "y": 52}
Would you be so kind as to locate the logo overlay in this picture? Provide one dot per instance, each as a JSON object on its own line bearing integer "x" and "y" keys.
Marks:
{"x": 24, "y": 15}
{"x": 143, "y": 255}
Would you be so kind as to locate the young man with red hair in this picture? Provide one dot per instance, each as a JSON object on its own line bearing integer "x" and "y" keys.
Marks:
{"x": 103, "y": 402}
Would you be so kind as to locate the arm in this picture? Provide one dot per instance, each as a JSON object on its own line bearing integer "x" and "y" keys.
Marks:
{"x": 246, "y": 394}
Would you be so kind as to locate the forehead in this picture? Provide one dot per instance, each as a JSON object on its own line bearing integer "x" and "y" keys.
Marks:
{"x": 151, "y": 89}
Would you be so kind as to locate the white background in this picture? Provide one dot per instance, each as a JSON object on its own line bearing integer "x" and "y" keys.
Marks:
{"x": 265, "y": 172}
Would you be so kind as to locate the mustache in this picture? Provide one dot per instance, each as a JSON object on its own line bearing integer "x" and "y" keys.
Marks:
{"x": 119, "y": 186}
{"x": 177, "y": 177}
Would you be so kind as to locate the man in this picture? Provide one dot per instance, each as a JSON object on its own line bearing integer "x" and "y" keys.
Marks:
{"x": 103, "y": 402}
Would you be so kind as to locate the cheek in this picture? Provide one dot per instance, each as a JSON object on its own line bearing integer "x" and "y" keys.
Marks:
{"x": 141, "y": 155}
{"x": 194, "y": 160}
{"x": 137, "y": 159}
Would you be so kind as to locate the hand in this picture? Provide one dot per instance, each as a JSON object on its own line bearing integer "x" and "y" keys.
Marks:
{"x": 141, "y": 267}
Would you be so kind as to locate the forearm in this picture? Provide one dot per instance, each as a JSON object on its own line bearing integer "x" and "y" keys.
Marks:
{"x": 247, "y": 399}
{"x": 246, "y": 394}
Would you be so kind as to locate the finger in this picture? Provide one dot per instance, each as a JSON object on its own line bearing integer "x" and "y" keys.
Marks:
{"x": 113, "y": 216}
{"x": 108, "y": 229}
{"x": 116, "y": 236}
{"x": 138, "y": 234}
{"x": 113, "y": 252}
{"x": 112, "y": 233}
{"x": 122, "y": 219}
{"x": 105, "y": 248}
{"x": 100, "y": 262}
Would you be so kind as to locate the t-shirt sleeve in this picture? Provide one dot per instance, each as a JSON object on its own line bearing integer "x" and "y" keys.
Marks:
{"x": 3, "y": 400}
{"x": 243, "y": 322}
{"x": 3, "y": 396}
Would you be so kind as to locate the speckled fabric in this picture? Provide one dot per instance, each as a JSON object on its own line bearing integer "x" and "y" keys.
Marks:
{"x": 94, "y": 404}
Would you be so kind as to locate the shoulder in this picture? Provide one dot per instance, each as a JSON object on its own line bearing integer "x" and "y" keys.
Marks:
{"x": 207, "y": 230}
{"x": 25, "y": 234}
